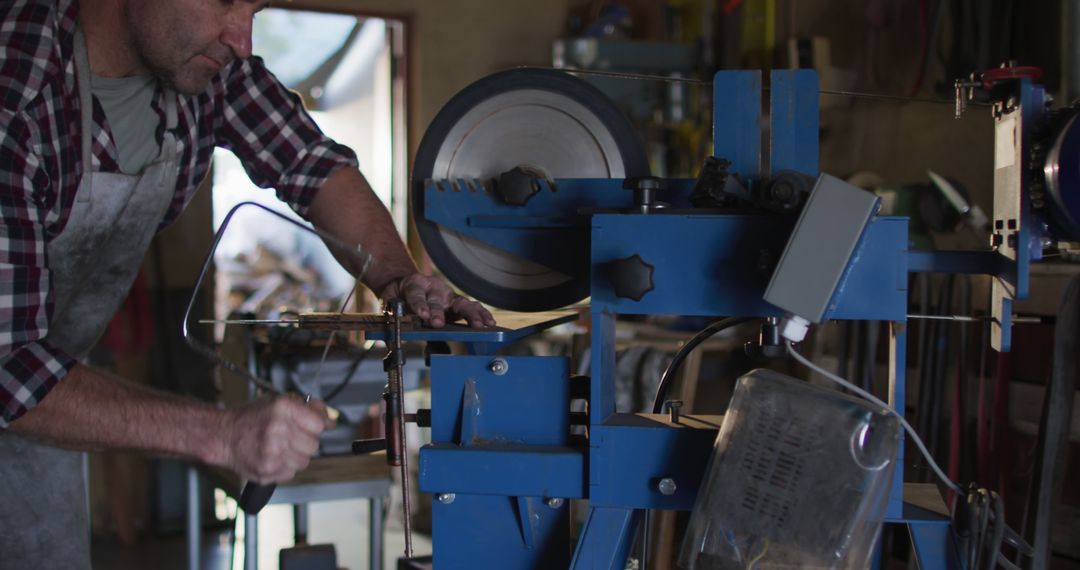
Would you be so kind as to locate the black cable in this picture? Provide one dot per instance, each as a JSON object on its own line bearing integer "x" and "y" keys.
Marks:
{"x": 669, "y": 374}
{"x": 348, "y": 375}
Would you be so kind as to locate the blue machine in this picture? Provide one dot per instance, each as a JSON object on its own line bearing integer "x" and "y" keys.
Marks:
{"x": 519, "y": 196}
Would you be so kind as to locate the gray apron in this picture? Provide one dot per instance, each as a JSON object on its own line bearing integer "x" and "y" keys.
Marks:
{"x": 44, "y": 521}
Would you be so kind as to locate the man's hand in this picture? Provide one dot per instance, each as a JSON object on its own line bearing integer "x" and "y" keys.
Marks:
{"x": 271, "y": 439}
{"x": 435, "y": 302}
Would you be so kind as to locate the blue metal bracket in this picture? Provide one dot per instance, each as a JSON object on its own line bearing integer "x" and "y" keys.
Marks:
{"x": 528, "y": 519}
{"x": 507, "y": 470}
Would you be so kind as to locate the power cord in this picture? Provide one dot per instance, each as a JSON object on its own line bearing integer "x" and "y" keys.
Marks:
{"x": 867, "y": 395}
{"x": 676, "y": 362}
{"x": 983, "y": 510}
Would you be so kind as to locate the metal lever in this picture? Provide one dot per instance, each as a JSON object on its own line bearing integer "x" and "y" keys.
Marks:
{"x": 394, "y": 417}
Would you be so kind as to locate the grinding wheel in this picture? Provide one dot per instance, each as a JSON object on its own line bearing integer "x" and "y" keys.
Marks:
{"x": 545, "y": 121}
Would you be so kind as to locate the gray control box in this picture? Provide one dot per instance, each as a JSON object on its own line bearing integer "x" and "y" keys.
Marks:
{"x": 821, "y": 247}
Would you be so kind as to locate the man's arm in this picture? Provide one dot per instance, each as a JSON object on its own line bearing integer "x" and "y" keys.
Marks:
{"x": 347, "y": 208}
{"x": 318, "y": 178}
{"x": 267, "y": 440}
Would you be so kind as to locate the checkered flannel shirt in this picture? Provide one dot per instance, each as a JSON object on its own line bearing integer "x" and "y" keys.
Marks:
{"x": 245, "y": 109}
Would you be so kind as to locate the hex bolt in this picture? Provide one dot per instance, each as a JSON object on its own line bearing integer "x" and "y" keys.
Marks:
{"x": 673, "y": 410}
{"x": 554, "y": 502}
{"x": 666, "y": 486}
{"x": 498, "y": 366}
{"x": 445, "y": 498}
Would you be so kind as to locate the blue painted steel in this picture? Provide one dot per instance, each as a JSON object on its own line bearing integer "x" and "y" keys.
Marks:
{"x": 483, "y": 531}
{"x": 463, "y": 333}
{"x": 719, "y": 265}
{"x": 793, "y": 111}
{"x": 737, "y": 121}
{"x": 874, "y": 287}
{"x": 704, "y": 264}
{"x": 526, "y": 510}
{"x": 501, "y": 442}
{"x": 483, "y": 438}
{"x": 633, "y": 452}
{"x": 550, "y": 228}
{"x": 974, "y": 262}
{"x": 935, "y": 546}
{"x": 605, "y": 539}
{"x": 1032, "y": 105}
{"x": 503, "y": 469}
{"x": 497, "y": 415}
{"x": 602, "y": 370}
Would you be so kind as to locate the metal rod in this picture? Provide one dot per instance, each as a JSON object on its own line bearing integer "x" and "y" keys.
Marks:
{"x": 705, "y": 83}
{"x": 968, "y": 319}
{"x": 406, "y": 500}
{"x": 290, "y": 322}
{"x": 357, "y": 253}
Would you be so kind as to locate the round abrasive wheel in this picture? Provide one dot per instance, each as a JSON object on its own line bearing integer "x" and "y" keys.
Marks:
{"x": 546, "y": 121}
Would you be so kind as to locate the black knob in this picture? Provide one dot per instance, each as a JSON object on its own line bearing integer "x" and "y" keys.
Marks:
{"x": 786, "y": 191}
{"x": 645, "y": 189}
{"x": 517, "y": 185}
{"x": 631, "y": 277}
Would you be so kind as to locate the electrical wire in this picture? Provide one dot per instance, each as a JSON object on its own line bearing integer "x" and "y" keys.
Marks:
{"x": 709, "y": 84}
{"x": 907, "y": 427}
{"x": 669, "y": 374}
{"x": 985, "y": 508}
{"x": 756, "y": 559}
{"x": 349, "y": 374}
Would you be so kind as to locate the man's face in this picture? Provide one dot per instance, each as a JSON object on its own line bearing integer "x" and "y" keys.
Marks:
{"x": 185, "y": 43}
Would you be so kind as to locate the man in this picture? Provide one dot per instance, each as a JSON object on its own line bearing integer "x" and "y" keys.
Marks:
{"x": 109, "y": 112}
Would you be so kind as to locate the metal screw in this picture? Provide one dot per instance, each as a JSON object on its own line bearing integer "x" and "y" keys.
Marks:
{"x": 445, "y": 498}
{"x": 554, "y": 502}
{"x": 673, "y": 409}
{"x": 666, "y": 486}
{"x": 498, "y": 366}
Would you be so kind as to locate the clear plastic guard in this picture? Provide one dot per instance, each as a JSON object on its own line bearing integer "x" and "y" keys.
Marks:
{"x": 799, "y": 478}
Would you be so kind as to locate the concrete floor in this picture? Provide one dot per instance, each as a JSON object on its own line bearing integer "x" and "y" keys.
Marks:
{"x": 341, "y": 523}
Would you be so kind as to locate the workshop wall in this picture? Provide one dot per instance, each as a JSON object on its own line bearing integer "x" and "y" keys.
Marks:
{"x": 917, "y": 49}
{"x": 455, "y": 43}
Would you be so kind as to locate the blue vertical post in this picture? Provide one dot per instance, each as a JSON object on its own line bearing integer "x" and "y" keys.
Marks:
{"x": 736, "y": 121}
{"x": 793, "y": 112}
{"x": 602, "y": 367}
{"x": 898, "y": 400}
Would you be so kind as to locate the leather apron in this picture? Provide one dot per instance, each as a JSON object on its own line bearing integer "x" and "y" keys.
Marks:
{"x": 44, "y": 521}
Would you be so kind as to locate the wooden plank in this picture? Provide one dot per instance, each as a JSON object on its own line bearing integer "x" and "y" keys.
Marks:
{"x": 333, "y": 469}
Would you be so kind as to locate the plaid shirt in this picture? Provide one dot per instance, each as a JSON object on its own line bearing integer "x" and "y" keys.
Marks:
{"x": 244, "y": 109}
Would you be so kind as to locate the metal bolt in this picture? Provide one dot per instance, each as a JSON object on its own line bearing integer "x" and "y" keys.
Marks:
{"x": 554, "y": 502}
{"x": 498, "y": 366}
{"x": 666, "y": 486}
{"x": 445, "y": 498}
{"x": 673, "y": 409}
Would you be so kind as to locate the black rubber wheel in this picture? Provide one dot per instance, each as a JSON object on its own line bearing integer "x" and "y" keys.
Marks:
{"x": 629, "y": 146}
